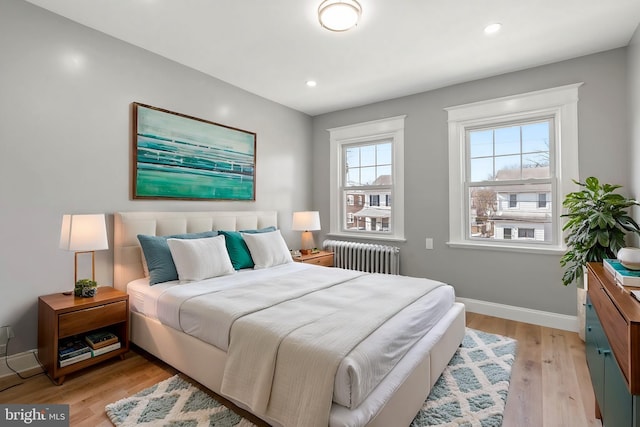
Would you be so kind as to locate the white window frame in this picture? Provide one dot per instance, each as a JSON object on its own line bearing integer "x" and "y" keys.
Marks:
{"x": 560, "y": 103}
{"x": 390, "y": 129}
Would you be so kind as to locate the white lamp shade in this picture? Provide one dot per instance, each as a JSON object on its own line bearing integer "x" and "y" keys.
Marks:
{"x": 84, "y": 233}
{"x": 306, "y": 221}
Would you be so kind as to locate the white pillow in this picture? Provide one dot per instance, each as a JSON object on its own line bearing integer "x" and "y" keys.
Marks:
{"x": 267, "y": 249}
{"x": 198, "y": 259}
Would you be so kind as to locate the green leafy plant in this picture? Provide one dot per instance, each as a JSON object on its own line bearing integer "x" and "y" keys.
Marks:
{"x": 597, "y": 224}
{"x": 85, "y": 287}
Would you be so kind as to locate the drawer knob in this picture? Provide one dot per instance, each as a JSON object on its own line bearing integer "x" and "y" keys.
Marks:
{"x": 604, "y": 352}
{"x": 589, "y": 328}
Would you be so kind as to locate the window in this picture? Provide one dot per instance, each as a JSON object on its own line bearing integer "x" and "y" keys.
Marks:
{"x": 366, "y": 165}
{"x": 542, "y": 200}
{"x": 511, "y": 161}
{"x": 526, "y": 233}
{"x": 506, "y": 234}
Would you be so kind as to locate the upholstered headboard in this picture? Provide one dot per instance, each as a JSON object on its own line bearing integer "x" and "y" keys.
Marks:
{"x": 127, "y": 256}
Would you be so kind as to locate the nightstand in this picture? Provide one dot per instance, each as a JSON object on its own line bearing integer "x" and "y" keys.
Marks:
{"x": 62, "y": 316}
{"x": 323, "y": 258}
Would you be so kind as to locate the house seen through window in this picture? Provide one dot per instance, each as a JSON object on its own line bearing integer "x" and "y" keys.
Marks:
{"x": 510, "y": 180}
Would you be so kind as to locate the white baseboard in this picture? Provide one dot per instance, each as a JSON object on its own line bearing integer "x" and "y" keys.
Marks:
{"x": 20, "y": 362}
{"x": 521, "y": 314}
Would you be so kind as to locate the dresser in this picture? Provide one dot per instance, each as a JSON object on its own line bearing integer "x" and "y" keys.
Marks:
{"x": 612, "y": 345}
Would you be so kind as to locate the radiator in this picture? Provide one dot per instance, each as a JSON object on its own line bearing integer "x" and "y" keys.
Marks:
{"x": 367, "y": 257}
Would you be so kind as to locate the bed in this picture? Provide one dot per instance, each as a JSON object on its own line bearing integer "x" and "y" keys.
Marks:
{"x": 370, "y": 398}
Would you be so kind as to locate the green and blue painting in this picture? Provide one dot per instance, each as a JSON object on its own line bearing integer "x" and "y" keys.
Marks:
{"x": 183, "y": 157}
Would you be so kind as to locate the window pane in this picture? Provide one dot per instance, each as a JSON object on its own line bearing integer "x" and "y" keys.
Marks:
{"x": 352, "y": 156}
{"x": 368, "y": 155}
{"x": 482, "y": 169}
{"x": 535, "y": 137}
{"x": 481, "y": 143}
{"x": 368, "y": 165}
{"x": 507, "y": 168}
{"x": 383, "y": 175}
{"x": 483, "y": 205}
{"x": 507, "y": 140}
{"x": 384, "y": 154}
{"x": 352, "y": 177}
{"x": 537, "y": 160}
{"x": 499, "y": 212}
{"x": 365, "y": 214}
{"x": 367, "y": 175}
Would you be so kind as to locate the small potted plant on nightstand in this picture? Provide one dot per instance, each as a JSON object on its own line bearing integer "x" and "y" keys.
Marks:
{"x": 85, "y": 288}
{"x": 597, "y": 224}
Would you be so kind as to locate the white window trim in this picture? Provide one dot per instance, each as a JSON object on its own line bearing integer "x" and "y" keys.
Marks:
{"x": 562, "y": 104}
{"x": 390, "y": 128}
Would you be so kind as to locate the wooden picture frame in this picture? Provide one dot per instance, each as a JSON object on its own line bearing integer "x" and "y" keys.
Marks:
{"x": 176, "y": 156}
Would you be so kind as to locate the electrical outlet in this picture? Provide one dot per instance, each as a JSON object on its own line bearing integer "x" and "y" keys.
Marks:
{"x": 428, "y": 243}
{"x": 10, "y": 333}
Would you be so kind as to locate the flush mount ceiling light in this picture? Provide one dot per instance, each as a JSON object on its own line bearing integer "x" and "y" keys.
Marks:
{"x": 339, "y": 15}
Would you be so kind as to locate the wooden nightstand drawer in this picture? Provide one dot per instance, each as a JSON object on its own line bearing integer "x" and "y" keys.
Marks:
{"x": 323, "y": 258}
{"x": 91, "y": 318}
{"x": 326, "y": 261}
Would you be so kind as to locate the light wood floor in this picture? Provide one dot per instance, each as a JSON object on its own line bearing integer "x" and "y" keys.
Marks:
{"x": 550, "y": 384}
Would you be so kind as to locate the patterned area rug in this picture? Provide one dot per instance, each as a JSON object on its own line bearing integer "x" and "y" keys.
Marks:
{"x": 472, "y": 391}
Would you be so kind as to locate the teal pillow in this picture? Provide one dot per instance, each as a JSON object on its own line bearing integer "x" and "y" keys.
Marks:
{"x": 237, "y": 248}
{"x": 158, "y": 256}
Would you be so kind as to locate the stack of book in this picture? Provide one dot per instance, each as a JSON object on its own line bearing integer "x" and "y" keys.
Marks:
{"x": 622, "y": 275}
{"x": 102, "y": 342}
{"x": 72, "y": 350}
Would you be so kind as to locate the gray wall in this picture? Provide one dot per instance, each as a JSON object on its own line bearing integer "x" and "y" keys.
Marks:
{"x": 65, "y": 95}
{"x": 525, "y": 280}
{"x": 634, "y": 119}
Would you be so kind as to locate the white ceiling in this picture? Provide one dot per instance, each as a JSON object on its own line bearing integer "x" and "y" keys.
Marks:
{"x": 272, "y": 47}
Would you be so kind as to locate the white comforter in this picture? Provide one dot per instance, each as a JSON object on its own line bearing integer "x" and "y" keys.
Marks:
{"x": 246, "y": 296}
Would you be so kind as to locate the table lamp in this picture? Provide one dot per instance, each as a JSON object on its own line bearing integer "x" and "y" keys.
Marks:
{"x": 306, "y": 222}
{"x": 84, "y": 234}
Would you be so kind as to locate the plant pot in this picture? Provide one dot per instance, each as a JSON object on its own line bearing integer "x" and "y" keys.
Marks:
{"x": 88, "y": 292}
{"x": 630, "y": 258}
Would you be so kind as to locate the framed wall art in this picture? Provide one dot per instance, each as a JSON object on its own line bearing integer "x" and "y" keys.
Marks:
{"x": 176, "y": 156}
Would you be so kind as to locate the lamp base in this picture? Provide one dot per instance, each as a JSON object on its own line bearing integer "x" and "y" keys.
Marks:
{"x": 305, "y": 251}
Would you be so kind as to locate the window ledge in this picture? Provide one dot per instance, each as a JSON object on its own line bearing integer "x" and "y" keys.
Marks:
{"x": 367, "y": 237}
{"x": 543, "y": 250}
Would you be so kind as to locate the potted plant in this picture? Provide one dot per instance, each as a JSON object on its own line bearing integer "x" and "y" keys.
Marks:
{"x": 597, "y": 224}
{"x": 85, "y": 288}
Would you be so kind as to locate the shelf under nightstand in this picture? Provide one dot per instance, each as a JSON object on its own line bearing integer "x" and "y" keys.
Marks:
{"x": 62, "y": 316}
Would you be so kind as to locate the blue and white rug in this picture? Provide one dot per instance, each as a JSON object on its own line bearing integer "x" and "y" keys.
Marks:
{"x": 471, "y": 392}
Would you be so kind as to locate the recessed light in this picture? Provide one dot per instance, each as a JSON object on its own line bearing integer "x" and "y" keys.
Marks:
{"x": 312, "y": 83}
{"x": 492, "y": 28}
